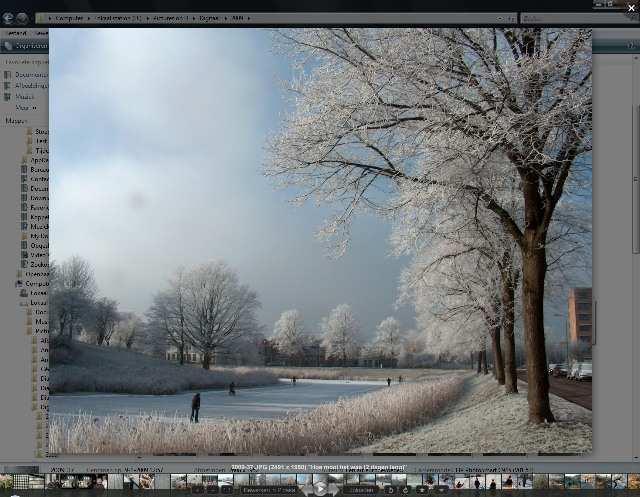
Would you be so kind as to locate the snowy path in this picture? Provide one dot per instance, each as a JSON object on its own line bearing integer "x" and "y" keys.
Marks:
{"x": 249, "y": 403}
{"x": 487, "y": 420}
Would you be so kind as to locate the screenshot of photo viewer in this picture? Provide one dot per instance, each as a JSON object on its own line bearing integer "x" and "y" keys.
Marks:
{"x": 320, "y": 253}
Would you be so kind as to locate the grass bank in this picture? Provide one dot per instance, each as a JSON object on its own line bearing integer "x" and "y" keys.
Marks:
{"x": 331, "y": 429}
{"x": 90, "y": 368}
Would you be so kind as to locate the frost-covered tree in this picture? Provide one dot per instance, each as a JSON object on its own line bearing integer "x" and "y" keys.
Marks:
{"x": 71, "y": 292}
{"x": 104, "y": 321}
{"x": 454, "y": 291}
{"x": 440, "y": 114}
{"x": 340, "y": 334}
{"x": 459, "y": 231}
{"x": 167, "y": 314}
{"x": 218, "y": 309}
{"x": 288, "y": 333}
{"x": 388, "y": 341}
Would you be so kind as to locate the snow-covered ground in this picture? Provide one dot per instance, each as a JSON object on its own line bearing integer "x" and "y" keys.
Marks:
{"x": 485, "y": 419}
{"x": 250, "y": 403}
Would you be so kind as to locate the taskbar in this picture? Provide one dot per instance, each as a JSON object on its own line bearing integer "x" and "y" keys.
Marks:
{"x": 27, "y": 484}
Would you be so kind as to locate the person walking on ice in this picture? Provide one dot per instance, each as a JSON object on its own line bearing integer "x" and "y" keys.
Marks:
{"x": 195, "y": 408}
{"x": 388, "y": 382}
{"x": 232, "y": 388}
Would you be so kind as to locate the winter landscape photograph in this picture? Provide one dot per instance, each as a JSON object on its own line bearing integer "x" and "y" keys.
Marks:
{"x": 320, "y": 241}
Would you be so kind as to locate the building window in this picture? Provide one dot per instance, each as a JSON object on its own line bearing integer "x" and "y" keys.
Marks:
{"x": 583, "y": 294}
{"x": 584, "y": 317}
{"x": 584, "y": 306}
{"x": 585, "y": 328}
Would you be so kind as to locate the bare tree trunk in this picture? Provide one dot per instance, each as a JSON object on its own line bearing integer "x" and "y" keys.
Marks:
{"x": 510, "y": 372}
{"x": 479, "y": 362}
{"x": 485, "y": 369}
{"x": 533, "y": 276}
{"x": 498, "y": 361}
{"x": 206, "y": 360}
{"x": 181, "y": 353}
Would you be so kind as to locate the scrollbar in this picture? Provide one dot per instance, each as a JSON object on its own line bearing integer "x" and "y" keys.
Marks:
{"x": 636, "y": 183}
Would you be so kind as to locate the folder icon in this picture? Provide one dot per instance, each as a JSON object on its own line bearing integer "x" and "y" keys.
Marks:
{"x": 29, "y": 311}
{"x": 29, "y": 322}
{"x": 29, "y": 131}
{"x": 29, "y": 140}
{"x": 29, "y": 330}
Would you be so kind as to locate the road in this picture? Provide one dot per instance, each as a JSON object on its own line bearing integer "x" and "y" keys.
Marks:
{"x": 578, "y": 392}
{"x": 249, "y": 403}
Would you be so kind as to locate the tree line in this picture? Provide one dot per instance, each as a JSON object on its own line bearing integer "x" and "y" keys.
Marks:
{"x": 341, "y": 338}
{"x": 204, "y": 308}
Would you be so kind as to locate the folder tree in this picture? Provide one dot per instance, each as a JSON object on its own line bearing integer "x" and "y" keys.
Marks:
{"x": 444, "y": 113}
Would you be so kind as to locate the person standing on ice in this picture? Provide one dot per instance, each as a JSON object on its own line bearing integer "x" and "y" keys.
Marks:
{"x": 388, "y": 382}
{"x": 195, "y": 408}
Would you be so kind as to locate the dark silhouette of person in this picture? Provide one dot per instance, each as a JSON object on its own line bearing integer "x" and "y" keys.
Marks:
{"x": 293, "y": 380}
{"x": 399, "y": 379}
{"x": 195, "y": 408}
{"x": 476, "y": 483}
{"x": 388, "y": 382}
{"x": 509, "y": 481}
{"x": 492, "y": 486}
{"x": 459, "y": 484}
{"x": 232, "y": 388}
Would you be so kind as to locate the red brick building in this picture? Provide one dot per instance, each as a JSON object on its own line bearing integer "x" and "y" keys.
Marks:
{"x": 580, "y": 317}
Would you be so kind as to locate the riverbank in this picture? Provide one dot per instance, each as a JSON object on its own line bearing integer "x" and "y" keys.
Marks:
{"x": 358, "y": 373}
{"x": 90, "y": 368}
{"x": 333, "y": 428}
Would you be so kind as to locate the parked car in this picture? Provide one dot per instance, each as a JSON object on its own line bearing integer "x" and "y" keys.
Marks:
{"x": 551, "y": 367}
{"x": 561, "y": 370}
{"x": 585, "y": 372}
{"x": 573, "y": 371}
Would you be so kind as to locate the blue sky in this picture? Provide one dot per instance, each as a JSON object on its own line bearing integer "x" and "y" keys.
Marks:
{"x": 157, "y": 140}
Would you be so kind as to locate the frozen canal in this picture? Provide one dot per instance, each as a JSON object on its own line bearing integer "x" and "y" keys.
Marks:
{"x": 249, "y": 403}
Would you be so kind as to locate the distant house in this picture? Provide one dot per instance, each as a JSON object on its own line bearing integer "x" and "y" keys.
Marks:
{"x": 371, "y": 357}
{"x": 191, "y": 355}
